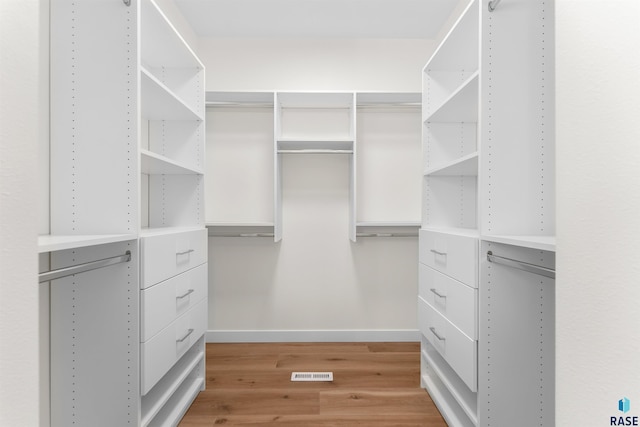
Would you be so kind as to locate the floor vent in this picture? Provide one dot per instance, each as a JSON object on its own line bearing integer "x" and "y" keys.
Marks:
{"x": 312, "y": 376}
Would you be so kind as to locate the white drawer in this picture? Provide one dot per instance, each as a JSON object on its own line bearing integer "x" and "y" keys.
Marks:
{"x": 460, "y": 351}
{"x": 166, "y": 255}
{"x": 454, "y": 300}
{"x": 163, "y": 303}
{"x": 454, "y": 255}
{"x": 162, "y": 351}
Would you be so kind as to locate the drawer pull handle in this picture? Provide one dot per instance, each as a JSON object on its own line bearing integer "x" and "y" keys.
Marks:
{"x": 186, "y": 294}
{"x": 433, "y": 331}
{"x": 437, "y": 294}
{"x": 186, "y": 336}
{"x": 185, "y": 252}
{"x": 438, "y": 252}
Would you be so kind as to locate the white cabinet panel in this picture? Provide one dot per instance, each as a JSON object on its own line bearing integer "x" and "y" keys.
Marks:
{"x": 460, "y": 351}
{"x": 166, "y": 255}
{"x": 454, "y": 255}
{"x": 162, "y": 303}
{"x": 454, "y": 300}
{"x": 163, "y": 350}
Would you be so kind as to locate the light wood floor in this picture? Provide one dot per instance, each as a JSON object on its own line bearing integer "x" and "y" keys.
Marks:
{"x": 375, "y": 384}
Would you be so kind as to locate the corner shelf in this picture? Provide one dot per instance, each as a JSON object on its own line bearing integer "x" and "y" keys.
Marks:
{"x": 155, "y": 164}
{"x": 461, "y": 105}
{"x": 465, "y": 166}
{"x": 160, "y": 103}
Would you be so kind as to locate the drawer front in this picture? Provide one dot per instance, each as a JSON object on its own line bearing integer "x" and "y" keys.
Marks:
{"x": 166, "y": 255}
{"x": 454, "y": 300}
{"x": 460, "y": 351}
{"x": 454, "y": 255}
{"x": 162, "y": 351}
{"x": 164, "y": 302}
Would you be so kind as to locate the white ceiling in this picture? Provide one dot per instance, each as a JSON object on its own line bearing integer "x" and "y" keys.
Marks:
{"x": 317, "y": 18}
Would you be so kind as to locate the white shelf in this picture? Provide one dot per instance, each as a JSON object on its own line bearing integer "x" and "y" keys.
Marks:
{"x": 161, "y": 44}
{"x": 467, "y": 166}
{"x": 461, "y": 106}
{"x": 323, "y": 145}
{"x": 459, "y": 48}
{"x": 51, "y": 243}
{"x": 157, "y": 399}
{"x": 157, "y": 231}
{"x": 225, "y": 99}
{"x": 456, "y": 231}
{"x": 388, "y": 99}
{"x": 544, "y": 243}
{"x": 160, "y": 103}
{"x": 223, "y": 229}
{"x": 315, "y": 99}
{"x": 155, "y": 164}
{"x": 388, "y": 224}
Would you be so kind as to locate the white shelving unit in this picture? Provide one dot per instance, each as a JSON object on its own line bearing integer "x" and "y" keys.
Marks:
{"x": 240, "y": 150}
{"x": 488, "y": 184}
{"x": 292, "y": 123}
{"x": 313, "y": 123}
{"x": 127, "y": 176}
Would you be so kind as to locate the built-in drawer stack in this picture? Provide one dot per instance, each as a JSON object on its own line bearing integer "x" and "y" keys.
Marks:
{"x": 173, "y": 320}
{"x": 448, "y": 300}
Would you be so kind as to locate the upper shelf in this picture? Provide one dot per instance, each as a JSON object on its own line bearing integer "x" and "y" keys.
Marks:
{"x": 459, "y": 49}
{"x": 224, "y": 99}
{"x": 311, "y": 145}
{"x": 161, "y": 44}
{"x": 160, "y": 103}
{"x": 461, "y": 106}
{"x": 315, "y": 99}
{"x": 544, "y": 243}
{"x": 51, "y": 243}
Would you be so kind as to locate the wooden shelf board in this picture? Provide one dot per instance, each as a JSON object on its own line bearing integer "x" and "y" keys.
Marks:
{"x": 51, "y": 243}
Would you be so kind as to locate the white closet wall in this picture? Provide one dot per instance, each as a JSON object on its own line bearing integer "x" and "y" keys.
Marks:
{"x": 598, "y": 153}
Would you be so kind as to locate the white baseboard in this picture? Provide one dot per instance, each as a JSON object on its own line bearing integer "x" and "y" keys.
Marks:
{"x": 373, "y": 335}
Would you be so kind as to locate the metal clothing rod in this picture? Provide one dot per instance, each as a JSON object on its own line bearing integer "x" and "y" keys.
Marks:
{"x": 493, "y": 4}
{"x": 315, "y": 151}
{"x": 386, "y": 235}
{"x": 525, "y": 266}
{"x": 243, "y": 235}
{"x": 81, "y": 268}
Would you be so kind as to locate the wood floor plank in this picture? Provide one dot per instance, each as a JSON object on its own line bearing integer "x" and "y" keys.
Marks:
{"x": 349, "y": 402}
{"x": 240, "y": 402}
{"x": 355, "y": 361}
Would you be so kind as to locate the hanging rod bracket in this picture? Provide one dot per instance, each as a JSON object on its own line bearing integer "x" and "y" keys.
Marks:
{"x": 127, "y": 2}
{"x": 493, "y": 4}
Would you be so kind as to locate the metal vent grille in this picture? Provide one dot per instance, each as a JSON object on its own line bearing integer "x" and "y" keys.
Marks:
{"x": 312, "y": 376}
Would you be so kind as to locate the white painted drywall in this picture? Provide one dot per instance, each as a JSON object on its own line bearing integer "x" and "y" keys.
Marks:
{"x": 19, "y": 132}
{"x": 598, "y": 210}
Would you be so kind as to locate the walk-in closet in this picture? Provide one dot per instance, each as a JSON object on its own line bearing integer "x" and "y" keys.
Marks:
{"x": 315, "y": 213}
